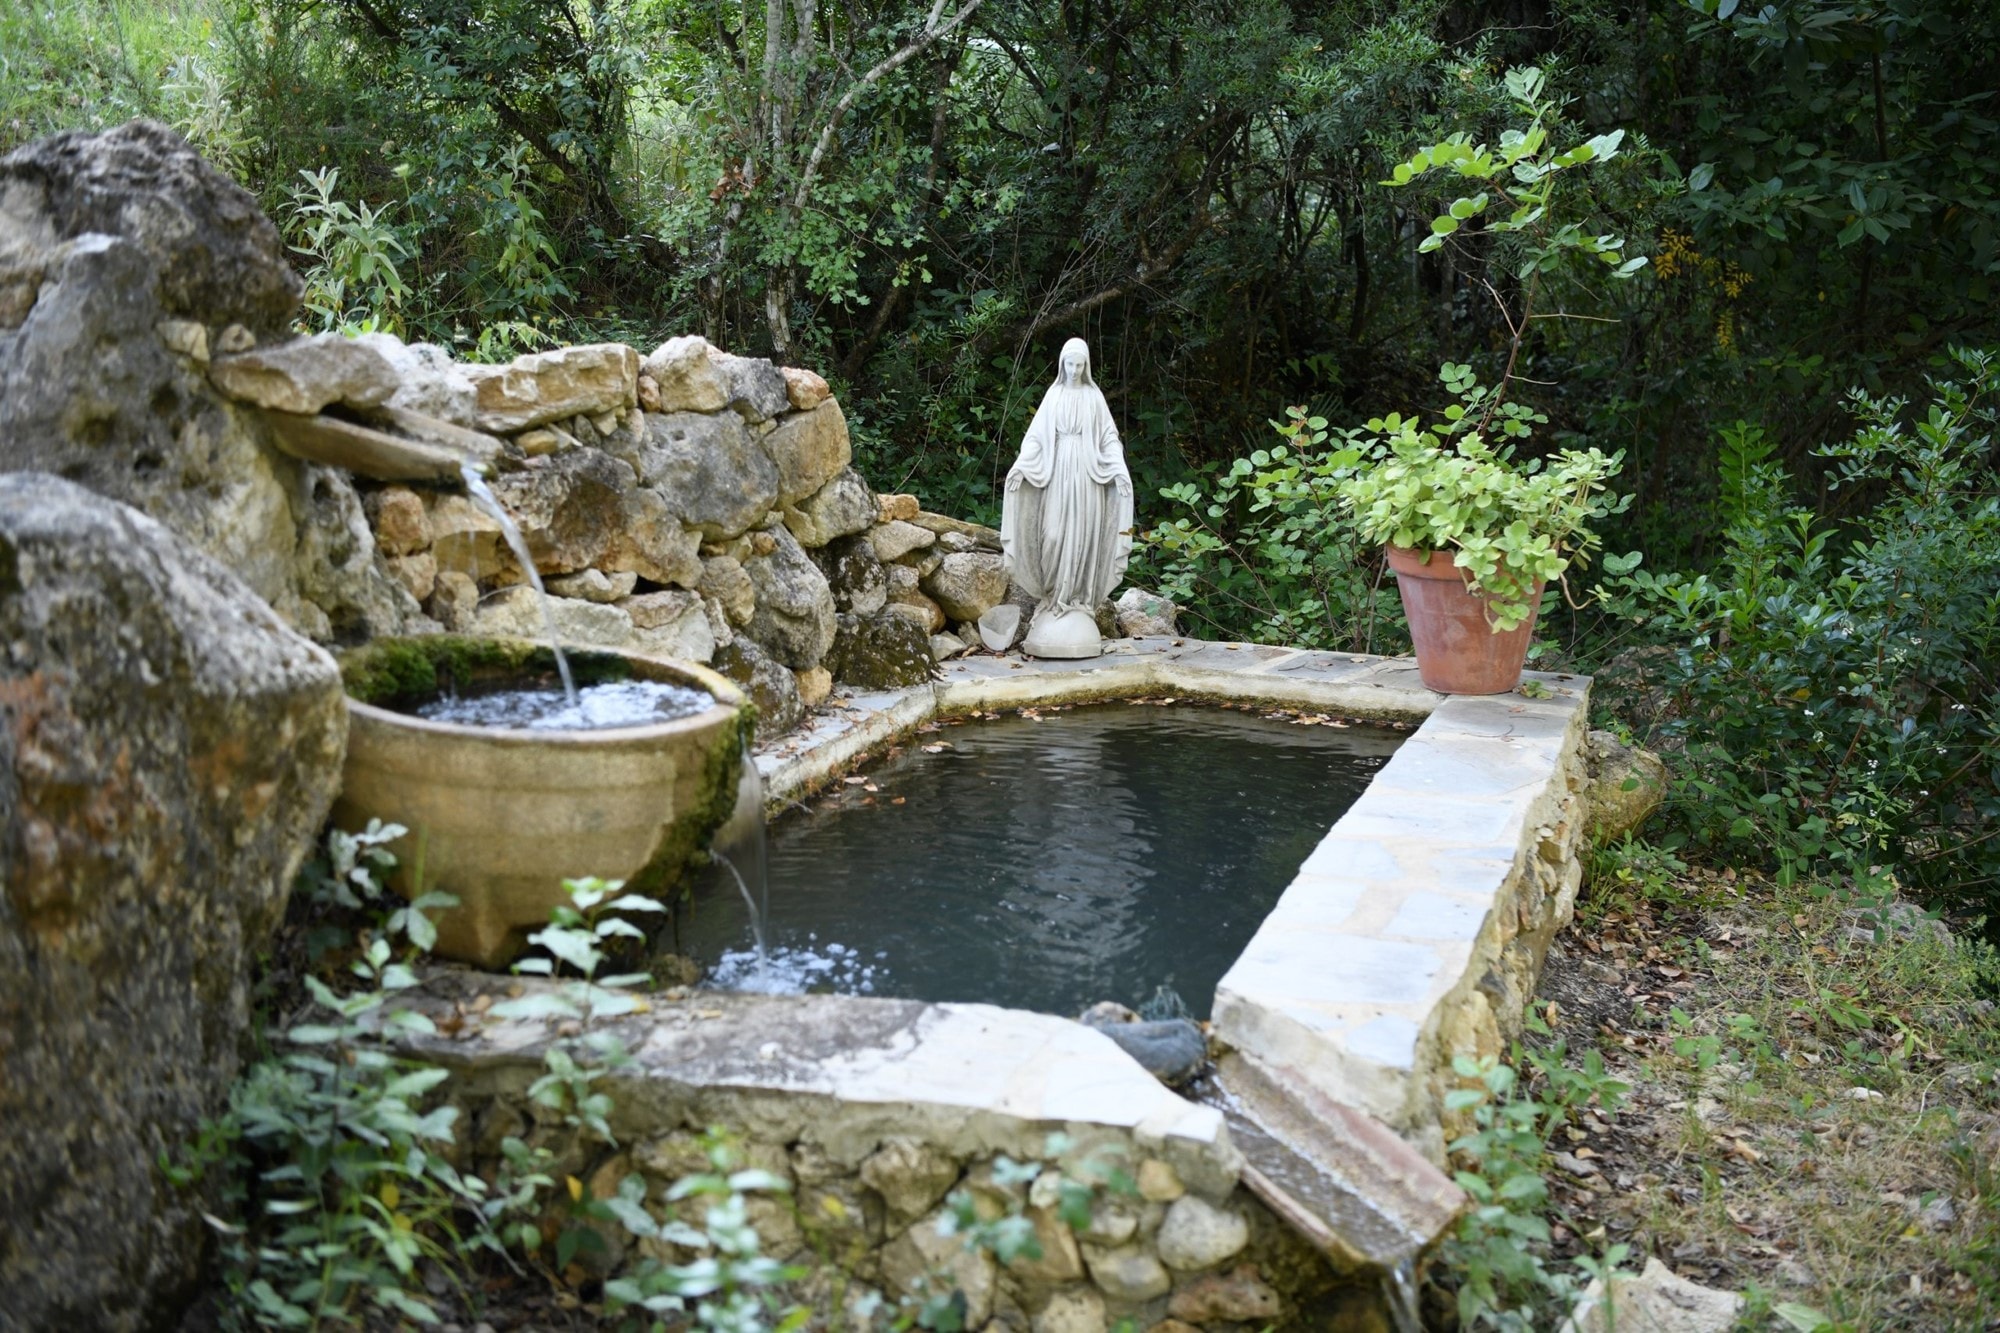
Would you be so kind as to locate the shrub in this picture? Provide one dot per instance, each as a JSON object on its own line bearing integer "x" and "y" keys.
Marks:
{"x": 1833, "y": 685}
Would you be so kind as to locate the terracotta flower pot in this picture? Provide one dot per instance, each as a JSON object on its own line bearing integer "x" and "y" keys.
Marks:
{"x": 1457, "y": 650}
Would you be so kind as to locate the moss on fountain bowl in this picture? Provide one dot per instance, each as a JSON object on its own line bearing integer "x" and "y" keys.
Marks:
{"x": 499, "y": 816}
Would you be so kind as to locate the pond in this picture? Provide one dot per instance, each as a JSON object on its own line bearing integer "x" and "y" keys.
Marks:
{"x": 1045, "y": 862}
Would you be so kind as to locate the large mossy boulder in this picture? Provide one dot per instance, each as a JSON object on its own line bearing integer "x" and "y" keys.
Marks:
{"x": 128, "y": 266}
{"x": 883, "y": 651}
{"x": 168, "y": 750}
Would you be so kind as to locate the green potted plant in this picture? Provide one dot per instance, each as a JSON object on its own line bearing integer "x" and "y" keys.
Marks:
{"x": 1473, "y": 535}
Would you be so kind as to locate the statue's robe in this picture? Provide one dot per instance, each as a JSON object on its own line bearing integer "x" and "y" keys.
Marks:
{"x": 1066, "y": 518}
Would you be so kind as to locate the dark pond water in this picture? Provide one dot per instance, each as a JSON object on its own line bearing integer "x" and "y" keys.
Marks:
{"x": 1096, "y": 854}
{"x": 614, "y": 703}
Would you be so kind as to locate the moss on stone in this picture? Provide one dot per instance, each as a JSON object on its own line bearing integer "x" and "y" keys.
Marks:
{"x": 401, "y": 673}
{"x": 684, "y": 847}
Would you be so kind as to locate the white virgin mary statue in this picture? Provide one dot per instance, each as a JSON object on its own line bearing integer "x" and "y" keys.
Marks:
{"x": 1066, "y": 519}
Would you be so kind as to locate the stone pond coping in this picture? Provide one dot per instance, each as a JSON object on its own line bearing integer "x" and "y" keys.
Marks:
{"x": 1413, "y": 933}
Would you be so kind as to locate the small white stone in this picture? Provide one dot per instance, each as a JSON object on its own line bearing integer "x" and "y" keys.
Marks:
{"x": 1198, "y": 1235}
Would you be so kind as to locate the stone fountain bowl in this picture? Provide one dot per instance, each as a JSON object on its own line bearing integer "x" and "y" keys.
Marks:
{"x": 501, "y": 816}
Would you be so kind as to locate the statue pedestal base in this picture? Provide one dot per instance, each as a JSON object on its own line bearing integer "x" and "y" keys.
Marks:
{"x": 1063, "y": 634}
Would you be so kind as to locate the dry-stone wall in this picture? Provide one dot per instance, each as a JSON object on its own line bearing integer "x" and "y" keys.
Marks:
{"x": 691, "y": 503}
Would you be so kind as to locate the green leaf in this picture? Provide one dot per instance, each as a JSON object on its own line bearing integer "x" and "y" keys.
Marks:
{"x": 1801, "y": 1317}
{"x": 1444, "y": 225}
{"x": 1700, "y": 177}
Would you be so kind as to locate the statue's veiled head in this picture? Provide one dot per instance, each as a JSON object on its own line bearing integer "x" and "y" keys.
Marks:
{"x": 1073, "y": 368}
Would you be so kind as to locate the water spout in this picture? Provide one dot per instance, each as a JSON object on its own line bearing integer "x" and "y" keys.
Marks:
{"x": 482, "y": 495}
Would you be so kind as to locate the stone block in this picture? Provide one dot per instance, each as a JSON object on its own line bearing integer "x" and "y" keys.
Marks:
{"x": 967, "y": 585}
{"x": 841, "y": 508}
{"x": 910, "y": 1176}
{"x": 805, "y": 388}
{"x": 1238, "y": 1296}
{"x": 895, "y": 539}
{"x": 710, "y": 469}
{"x": 1196, "y": 1234}
{"x": 893, "y": 508}
{"x": 809, "y": 450}
{"x": 686, "y": 377}
{"x": 794, "y": 617}
{"x": 401, "y": 525}
{"x": 541, "y": 387}
{"x": 593, "y": 585}
{"x": 1129, "y": 1274}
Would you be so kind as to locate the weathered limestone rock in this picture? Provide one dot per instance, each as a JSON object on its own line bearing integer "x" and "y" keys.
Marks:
{"x": 541, "y": 387}
{"x": 517, "y": 613}
{"x": 689, "y": 635}
{"x": 1145, "y": 615}
{"x": 593, "y": 585}
{"x": 686, "y": 376}
{"x": 104, "y": 239}
{"x": 397, "y": 515}
{"x": 183, "y": 337}
{"x": 216, "y": 258}
{"x": 968, "y": 585}
{"x": 569, "y": 507}
{"x": 897, "y": 508}
{"x": 1196, "y": 1234}
{"x": 965, "y": 536}
{"x": 814, "y": 686}
{"x": 895, "y": 539}
{"x": 757, "y": 389}
{"x": 859, "y": 583}
{"x": 1626, "y": 784}
{"x": 417, "y": 573}
{"x": 1072, "y": 1312}
{"x": 1158, "y": 1182}
{"x": 365, "y": 450}
{"x": 1127, "y": 1274}
{"x": 880, "y": 652}
{"x": 467, "y": 539}
{"x": 771, "y": 687}
{"x": 306, "y": 375}
{"x": 1062, "y": 1258}
{"x": 946, "y": 646}
{"x": 651, "y": 542}
{"x": 910, "y": 1176}
{"x": 841, "y": 508}
{"x": 168, "y": 749}
{"x": 710, "y": 471}
{"x": 725, "y": 579}
{"x": 804, "y": 387}
{"x": 1657, "y": 1300}
{"x": 1239, "y": 1295}
{"x": 428, "y": 381}
{"x": 454, "y": 600}
{"x": 809, "y": 449}
{"x": 794, "y": 616}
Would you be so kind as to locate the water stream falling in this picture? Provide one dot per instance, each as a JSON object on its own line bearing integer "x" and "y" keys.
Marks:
{"x": 1399, "y": 1292}
{"x": 482, "y": 495}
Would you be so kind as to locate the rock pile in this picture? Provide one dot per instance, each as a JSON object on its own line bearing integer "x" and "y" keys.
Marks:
{"x": 690, "y": 503}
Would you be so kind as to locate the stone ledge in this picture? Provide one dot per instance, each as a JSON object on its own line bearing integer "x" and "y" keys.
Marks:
{"x": 847, "y": 1072}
